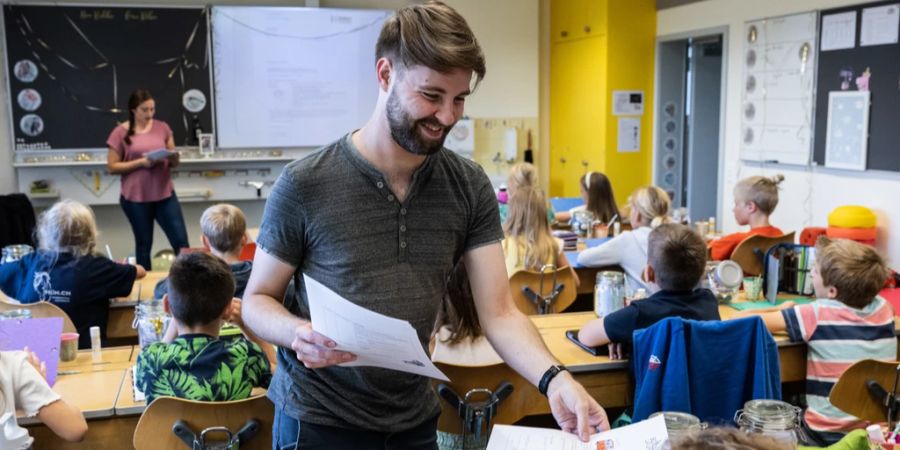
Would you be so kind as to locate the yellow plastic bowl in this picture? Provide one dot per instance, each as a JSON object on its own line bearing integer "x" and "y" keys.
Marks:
{"x": 851, "y": 216}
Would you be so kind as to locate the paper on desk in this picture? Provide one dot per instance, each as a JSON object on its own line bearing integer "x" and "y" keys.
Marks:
{"x": 649, "y": 434}
{"x": 376, "y": 340}
{"x": 158, "y": 154}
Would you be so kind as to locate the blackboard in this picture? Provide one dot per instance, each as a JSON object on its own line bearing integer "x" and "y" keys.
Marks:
{"x": 73, "y": 68}
{"x": 844, "y": 66}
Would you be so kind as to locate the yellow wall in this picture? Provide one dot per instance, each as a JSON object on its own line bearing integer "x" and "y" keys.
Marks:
{"x": 597, "y": 46}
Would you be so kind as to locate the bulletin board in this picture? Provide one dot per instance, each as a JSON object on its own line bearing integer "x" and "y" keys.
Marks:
{"x": 71, "y": 69}
{"x": 778, "y": 89}
{"x": 859, "y": 51}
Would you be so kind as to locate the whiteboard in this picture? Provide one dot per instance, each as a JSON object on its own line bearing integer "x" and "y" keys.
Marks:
{"x": 778, "y": 92}
{"x": 846, "y": 141}
{"x": 291, "y": 76}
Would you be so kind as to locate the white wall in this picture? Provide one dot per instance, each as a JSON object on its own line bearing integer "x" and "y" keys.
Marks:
{"x": 809, "y": 193}
{"x": 506, "y": 29}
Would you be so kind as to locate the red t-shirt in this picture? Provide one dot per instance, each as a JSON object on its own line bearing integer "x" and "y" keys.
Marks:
{"x": 723, "y": 247}
{"x": 144, "y": 184}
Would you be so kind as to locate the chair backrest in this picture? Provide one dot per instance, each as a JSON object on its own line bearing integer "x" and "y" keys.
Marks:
{"x": 39, "y": 310}
{"x": 746, "y": 254}
{"x": 851, "y": 395}
{"x": 154, "y": 429}
{"x": 526, "y": 278}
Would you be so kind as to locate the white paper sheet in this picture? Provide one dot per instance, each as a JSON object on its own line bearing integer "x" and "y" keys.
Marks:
{"x": 839, "y": 31}
{"x": 629, "y": 137}
{"x": 649, "y": 434}
{"x": 880, "y": 25}
{"x": 377, "y": 340}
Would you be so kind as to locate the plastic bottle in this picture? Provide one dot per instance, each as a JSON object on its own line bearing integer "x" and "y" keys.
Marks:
{"x": 96, "y": 355}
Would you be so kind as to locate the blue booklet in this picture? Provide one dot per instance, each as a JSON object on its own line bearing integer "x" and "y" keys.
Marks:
{"x": 158, "y": 154}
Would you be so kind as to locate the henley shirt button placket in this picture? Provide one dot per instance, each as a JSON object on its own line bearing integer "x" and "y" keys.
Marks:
{"x": 390, "y": 197}
{"x": 380, "y": 185}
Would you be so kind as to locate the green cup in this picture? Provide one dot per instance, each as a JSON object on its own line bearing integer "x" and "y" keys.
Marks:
{"x": 753, "y": 288}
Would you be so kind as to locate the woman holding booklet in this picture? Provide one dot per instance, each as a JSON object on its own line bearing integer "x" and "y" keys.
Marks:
{"x": 140, "y": 150}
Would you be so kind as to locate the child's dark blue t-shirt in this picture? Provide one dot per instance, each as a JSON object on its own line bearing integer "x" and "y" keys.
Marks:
{"x": 697, "y": 304}
{"x": 80, "y": 286}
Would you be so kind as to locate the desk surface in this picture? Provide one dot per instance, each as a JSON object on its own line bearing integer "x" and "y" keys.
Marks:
{"x": 113, "y": 358}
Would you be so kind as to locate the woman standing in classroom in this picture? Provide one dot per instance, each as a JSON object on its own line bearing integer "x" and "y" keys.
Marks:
{"x": 147, "y": 192}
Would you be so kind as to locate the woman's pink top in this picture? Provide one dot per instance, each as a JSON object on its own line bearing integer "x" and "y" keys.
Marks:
{"x": 144, "y": 184}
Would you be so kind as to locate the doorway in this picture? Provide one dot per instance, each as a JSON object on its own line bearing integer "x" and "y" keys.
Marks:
{"x": 690, "y": 83}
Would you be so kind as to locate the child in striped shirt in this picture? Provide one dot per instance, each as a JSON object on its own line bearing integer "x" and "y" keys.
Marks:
{"x": 847, "y": 323}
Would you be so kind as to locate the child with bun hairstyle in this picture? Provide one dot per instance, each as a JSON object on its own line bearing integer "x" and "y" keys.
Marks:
{"x": 755, "y": 198}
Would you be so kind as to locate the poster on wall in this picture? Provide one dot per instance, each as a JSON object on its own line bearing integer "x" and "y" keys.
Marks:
{"x": 848, "y": 130}
{"x": 629, "y": 136}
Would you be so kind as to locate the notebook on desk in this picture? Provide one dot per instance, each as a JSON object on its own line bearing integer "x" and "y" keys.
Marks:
{"x": 138, "y": 394}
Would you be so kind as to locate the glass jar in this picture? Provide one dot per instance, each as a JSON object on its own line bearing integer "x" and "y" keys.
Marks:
{"x": 773, "y": 418}
{"x": 724, "y": 278}
{"x": 609, "y": 293}
{"x": 582, "y": 221}
{"x": 678, "y": 424}
{"x": 150, "y": 320}
{"x": 14, "y": 252}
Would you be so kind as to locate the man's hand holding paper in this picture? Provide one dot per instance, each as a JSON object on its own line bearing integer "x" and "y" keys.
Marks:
{"x": 315, "y": 350}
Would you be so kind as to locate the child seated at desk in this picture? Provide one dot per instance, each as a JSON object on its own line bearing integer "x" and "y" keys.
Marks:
{"x": 528, "y": 244}
{"x": 755, "y": 198}
{"x": 649, "y": 207}
{"x": 847, "y": 323}
{"x": 224, "y": 234}
{"x": 197, "y": 365}
{"x": 65, "y": 272}
{"x": 597, "y": 193}
{"x": 522, "y": 175}
{"x": 676, "y": 259}
{"x": 22, "y": 387}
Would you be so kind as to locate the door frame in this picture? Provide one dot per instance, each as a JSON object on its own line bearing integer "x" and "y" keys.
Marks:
{"x": 700, "y": 33}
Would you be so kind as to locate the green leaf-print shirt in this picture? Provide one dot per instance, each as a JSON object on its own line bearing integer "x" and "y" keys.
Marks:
{"x": 200, "y": 367}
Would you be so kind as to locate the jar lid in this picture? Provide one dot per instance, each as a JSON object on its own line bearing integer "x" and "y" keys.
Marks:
{"x": 730, "y": 274}
{"x": 678, "y": 420}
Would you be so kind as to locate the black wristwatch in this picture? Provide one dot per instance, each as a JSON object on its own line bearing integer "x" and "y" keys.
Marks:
{"x": 551, "y": 373}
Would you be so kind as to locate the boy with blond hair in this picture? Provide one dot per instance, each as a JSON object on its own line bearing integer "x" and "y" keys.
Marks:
{"x": 847, "y": 323}
{"x": 755, "y": 198}
{"x": 224, "y": 229}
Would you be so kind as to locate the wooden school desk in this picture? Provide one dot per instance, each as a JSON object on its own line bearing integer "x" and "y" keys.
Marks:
{"x": 93, "y": 388}
{"x": 606, "y": 380}
{"x": 121, "y": 310}
{"x": 587, "y": 276}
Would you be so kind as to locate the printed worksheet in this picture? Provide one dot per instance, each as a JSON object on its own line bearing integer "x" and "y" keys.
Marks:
{"x": 649, "y": 434}
{"x": 377, "y": 340}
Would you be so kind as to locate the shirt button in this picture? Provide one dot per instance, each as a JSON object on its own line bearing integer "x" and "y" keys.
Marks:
{"x": 380, "y": 185}
{"x": 402, "y": 228}
{"x": 403, "y": 211}
{"x": 390, "y": 197}
{"x": 403, "y": 245}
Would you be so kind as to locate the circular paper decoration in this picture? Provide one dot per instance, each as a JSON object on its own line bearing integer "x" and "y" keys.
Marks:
{"x": 669, "y": 179}
{"x": 670, "y": 162}
{"x": 32, "y": 124}
{"x": 29, "y": 99}
{"x": 751, "y": 84}
{"x": 751, "y": 58}
{"x": 669, "y": 109}
{"x": 749, "y": 111}
{"x": 670, "y": 126}
{"x": 748, "y": 136}
{"x": 25, "y": 71}
{"x": 670, "y": 144}
{"x": 193, "y": 100}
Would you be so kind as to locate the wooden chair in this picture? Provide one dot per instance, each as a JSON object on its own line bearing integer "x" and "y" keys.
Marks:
{"x": 154, "y": 429}
{"x": 525, "y": 280}
{"x": 39, "y": 310}
{"x": 750, "y": 252}
{"x": 851, "y": 394}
